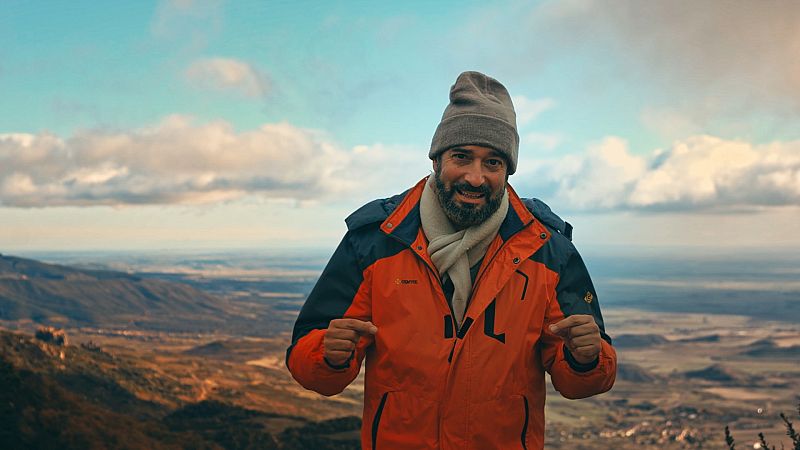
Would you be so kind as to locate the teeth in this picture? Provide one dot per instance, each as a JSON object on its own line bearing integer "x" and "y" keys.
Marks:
{"x": 471, "y": 194}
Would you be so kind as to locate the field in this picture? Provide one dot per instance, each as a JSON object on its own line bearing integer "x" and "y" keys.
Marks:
{"x": 687, "y": 368}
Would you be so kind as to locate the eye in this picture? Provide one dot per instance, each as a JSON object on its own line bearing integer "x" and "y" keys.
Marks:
{"x": 460, "y": 158}
{"x": 494, "y": 162}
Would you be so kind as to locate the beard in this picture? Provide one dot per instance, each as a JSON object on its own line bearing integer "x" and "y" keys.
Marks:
{"x": 465, "y": 215}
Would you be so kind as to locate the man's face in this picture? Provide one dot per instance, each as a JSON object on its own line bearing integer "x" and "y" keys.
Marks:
{"x": 470, "y": 181}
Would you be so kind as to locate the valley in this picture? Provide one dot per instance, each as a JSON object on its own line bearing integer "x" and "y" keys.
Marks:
{"x": 683, "y": 376}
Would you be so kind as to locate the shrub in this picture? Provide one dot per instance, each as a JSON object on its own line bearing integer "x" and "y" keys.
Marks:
{"x": 790, "y": 431}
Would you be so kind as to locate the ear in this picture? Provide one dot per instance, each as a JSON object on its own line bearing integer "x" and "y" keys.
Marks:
{"x": 435, "y": 165}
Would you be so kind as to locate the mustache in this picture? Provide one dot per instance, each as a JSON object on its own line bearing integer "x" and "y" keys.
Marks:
{"x": 466, "y": 187}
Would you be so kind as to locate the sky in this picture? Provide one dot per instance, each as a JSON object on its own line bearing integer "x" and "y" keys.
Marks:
{"x": 262, "y": 124}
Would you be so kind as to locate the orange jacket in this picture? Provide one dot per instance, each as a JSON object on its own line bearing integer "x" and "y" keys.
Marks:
{"x": 428, "y": 385}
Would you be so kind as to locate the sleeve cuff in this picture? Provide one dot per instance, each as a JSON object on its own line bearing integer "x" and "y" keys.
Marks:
{"x": 575, "y": 365}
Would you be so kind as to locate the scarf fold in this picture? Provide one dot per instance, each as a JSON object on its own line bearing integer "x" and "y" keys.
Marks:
{"x": 454, "y": 252}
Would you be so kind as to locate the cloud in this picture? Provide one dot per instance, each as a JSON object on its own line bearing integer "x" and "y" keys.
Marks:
{"x": 601, "y": 177}
{"x": 190, "y": 22}
{"x": 528, "y": 110}
{"x": 698, "y": 173}
{"x": 668, "y": 122}
{"x": 228, "y": 74}
{"x": 713, "y": 44}
{"x": 710, "y": 60}
{"x": 542, "y": 141}
{"x": 180, "y": 162}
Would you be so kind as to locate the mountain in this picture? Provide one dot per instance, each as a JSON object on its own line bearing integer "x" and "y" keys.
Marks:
{"x": 707, "y": 338}
{"x": 719, "y": 373}
{"x": 639, "y": 340}
{"x": 69, "y": 397}
{"x": 636, "y": 374}
{"x": 767, "y": 348}
{"x": 49, "y": 293}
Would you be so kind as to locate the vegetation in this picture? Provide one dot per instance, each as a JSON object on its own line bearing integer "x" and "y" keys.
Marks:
{"x": 52, "y": 336}
{"x": 790, "y": 431}
{"x": 87, "y": 402}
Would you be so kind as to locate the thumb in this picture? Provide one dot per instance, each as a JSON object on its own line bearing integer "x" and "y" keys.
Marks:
{"x": 364, "y": 328}
{"x": 561, "y": 332}
{"x": 563, "y": 326}
{"x": 370, "y": 328}
{"x": 361, "y": 327}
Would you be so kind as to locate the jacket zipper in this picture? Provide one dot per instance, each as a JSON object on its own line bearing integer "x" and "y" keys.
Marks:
{"x": 450, "y": 307}
{"x": 491, "y": 260}
{"x": 525, "y": 425}
{"x": 377, "y": 420}
{"x": 455, "y": 338}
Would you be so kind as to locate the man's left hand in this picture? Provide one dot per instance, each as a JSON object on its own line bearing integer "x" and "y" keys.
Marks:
{"x": 581, "y": 335}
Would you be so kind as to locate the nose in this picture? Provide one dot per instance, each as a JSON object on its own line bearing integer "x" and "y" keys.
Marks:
{"x": 474, "y": 175}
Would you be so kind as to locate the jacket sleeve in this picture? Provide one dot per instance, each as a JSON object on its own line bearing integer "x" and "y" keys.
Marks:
{"x": 341, "y": 291}
{"x": 575, "y": 294}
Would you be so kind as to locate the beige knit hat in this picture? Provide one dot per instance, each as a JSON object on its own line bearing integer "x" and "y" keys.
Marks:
{"x": 480, "y": 113}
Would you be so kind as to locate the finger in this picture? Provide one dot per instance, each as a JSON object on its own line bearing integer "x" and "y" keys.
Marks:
{"x": 588, "y": 351}
{"x": 337, "y": 357}
{"x": 361, "y": 327}
{"x": 338, "y": 353}
{"x": 587, "y": 329}
{"x": 593, "y": 347}
{"x": 569, "y": 322}
{"x": 582, "y": 341}
{"x": 341, "y": 345}
{"x": 341, "y": 333}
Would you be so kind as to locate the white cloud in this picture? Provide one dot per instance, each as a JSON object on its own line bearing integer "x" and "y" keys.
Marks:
{"x": 177, "y": 161}
{"x": 698, "y": 173}
{"x": 381, "y": 170}
{"x": 228, "y": 74}
{"x": 668, "y": 122}
{"x": 542, "y": 141}
{"x": 528, "y": 110}
{"x": 180, "y": 162}
{"x": 601, "y": 177}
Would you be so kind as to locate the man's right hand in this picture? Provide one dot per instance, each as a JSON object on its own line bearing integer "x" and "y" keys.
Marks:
{"x": 342, "y": 336}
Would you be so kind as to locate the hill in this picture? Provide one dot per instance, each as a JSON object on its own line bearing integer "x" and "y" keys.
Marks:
{"x": 707, "y": 338}
{"x": 81, "y": 397}
{"x": 767, "y": 348}
{"x": 55, "y": 294}
{"x": 639, "y": 340}
{"x": 634, "y": 373}
{"x": 721, "y": 374}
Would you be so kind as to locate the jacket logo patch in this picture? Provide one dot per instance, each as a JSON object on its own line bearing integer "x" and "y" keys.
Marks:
{"x": 402, "y": 281}
{"x": 588, "y": 297}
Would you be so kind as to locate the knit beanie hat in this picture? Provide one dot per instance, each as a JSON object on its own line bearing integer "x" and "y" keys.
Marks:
{"x": 480, "y": 113}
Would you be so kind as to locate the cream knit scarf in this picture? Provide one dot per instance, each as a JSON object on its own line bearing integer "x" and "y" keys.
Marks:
{"x": 454, "y": 252}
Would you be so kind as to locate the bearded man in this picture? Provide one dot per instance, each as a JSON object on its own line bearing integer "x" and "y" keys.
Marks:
{"x": 459, "y": 295}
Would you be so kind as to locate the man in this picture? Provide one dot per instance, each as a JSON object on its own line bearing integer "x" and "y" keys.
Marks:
{"x": 459, "y": 295}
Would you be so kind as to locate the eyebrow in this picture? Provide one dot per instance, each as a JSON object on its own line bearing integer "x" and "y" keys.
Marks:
{"x": 493, "y": 154}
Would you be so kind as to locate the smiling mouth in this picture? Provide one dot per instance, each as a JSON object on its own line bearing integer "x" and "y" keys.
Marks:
{"x": 470, "y": 195}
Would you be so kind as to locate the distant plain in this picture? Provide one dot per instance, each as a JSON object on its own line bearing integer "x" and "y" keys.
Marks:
{"x": 704, "y": 341}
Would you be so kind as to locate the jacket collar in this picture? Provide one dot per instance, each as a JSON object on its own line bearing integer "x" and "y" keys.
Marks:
{"x": 404, "y": 222}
